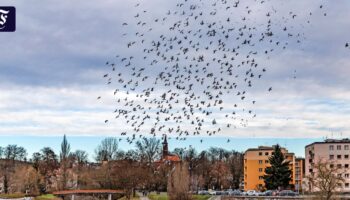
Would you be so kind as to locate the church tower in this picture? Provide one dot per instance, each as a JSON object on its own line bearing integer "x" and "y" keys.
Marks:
{"x": 165, "y": 147}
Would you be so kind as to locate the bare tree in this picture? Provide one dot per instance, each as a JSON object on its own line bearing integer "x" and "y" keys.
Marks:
{"x": 80, "y": 156}
{"x": 1, "y": 152}
{"x": 26, "y": 180}
{"x": 107, "y": 150}
{"x": 148, "y": 148}
{"x": 326, "y": 179}
{"x": 129, "y": 174}
{"x": 45, "y": 162}
{"x": 80, "y": 159}
{"x": 12, "y": 153}
{"x": 178, "y": 182}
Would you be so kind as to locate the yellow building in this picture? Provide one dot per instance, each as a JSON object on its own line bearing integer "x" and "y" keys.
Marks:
{"x": 255, "y": 162}
{"x": 299, "y": 173}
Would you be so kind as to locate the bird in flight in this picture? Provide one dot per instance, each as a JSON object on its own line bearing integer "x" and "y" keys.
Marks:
{"x": 187, "y": 69}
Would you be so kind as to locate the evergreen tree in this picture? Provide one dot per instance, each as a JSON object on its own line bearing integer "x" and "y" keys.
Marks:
{"x": 65, "y": 151}
{"x": 278, "y": 175}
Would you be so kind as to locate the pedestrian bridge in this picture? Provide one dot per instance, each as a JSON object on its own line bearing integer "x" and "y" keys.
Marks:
{"x": 73, "y": 193}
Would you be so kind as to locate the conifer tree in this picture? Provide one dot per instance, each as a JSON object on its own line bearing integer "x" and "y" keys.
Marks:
{"x": 278, "y": 175}
{"x": 65, "y": 152}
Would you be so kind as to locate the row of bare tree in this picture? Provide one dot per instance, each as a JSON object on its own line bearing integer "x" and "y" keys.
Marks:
{"x": 114, "y": 168}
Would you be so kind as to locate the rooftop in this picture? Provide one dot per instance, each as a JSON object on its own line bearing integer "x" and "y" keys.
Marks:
{"x": 330, "y": 141}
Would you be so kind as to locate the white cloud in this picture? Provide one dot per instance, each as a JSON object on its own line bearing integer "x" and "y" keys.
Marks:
{"x": 53, "y": 71}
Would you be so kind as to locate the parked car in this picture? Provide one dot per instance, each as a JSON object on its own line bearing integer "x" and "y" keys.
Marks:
{"x": 203, "y": 192}
{"x": 252, "y": 193}
{"x": 225, "y": 192}
{"x": 287, "y": 193}
{"x": 212, "y": 192}
{"x": 270, "y": 193}
{"x": 235, "y": 193}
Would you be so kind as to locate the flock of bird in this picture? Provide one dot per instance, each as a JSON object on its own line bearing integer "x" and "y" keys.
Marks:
{"x": 179, "y": 72}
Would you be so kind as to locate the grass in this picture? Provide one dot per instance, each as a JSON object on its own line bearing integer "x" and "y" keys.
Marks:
{"x": 46, "y": 197}
{"x": 11, "y": 196}
{"x": 201, "y": 197}
{"x": 158, "y": 197}
{"x": 165, "y": 197}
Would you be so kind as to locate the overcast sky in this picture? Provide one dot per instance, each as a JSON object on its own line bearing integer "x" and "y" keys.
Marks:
{"x": 51, "y": 71}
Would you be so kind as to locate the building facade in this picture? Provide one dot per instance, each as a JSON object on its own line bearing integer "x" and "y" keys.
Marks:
{"x": 336, "y": 152}
{"x": 256, "y": 160}
{"x": 299, "y": 173}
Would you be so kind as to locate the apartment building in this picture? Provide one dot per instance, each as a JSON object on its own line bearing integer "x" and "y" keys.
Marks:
{"x": 257, "y": 159}
{"x": 334, "y": 151}
{"x": 299, "y": 173}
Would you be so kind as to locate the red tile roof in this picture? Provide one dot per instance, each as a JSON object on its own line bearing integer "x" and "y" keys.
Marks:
{"x": 173, "y": 158}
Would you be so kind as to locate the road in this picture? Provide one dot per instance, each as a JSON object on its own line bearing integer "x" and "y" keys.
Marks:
{"x": 215, "y": 198}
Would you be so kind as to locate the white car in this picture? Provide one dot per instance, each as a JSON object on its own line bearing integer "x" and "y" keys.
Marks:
{"x": 212, "y": 192}
{"x": 252, "y": 193}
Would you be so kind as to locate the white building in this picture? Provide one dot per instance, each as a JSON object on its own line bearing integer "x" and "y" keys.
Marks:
{"x": 335, "y": 152}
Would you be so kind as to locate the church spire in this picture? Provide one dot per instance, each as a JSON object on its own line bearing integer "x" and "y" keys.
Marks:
{"x": 165, "y": 147}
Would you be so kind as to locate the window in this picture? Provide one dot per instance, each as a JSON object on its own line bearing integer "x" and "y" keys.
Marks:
{"x": 331, "y": 157}
{"x": 339, "y": 175}
{"x": 346, "y": 147}
{"x": 266, "y": 161}
{"x": 338, "y": 147}
{"x": 331, "y": 147}
{"x": 346, "y": 165}
{"x": 310, "y": 170}
{"x": 331, "y": 166}
{"x": 346, "y": 185}
{"x": 260, "y": 153}
{"x": 346, "y": 175}
{"x": 339, "y": 166}
{"x": 261, "y": 177}
{"x": 266, "y": 153}
{"x": 260, "y": 169}
{"x": 346, "y": 156}
{"x": 260, "y": 161}
{"x": 338, "y": 156}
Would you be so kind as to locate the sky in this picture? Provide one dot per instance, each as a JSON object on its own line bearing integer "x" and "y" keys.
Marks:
{"x": 51, "y": 72}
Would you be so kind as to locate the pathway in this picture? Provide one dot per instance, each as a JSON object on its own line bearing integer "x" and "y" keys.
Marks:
{"x": 215, "y": 198}
{"x": 142, "y": 197}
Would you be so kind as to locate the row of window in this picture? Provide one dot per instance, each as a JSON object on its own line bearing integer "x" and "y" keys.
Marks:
{"x": 261, "y": 161}
{"x": 339, "y": 166}
{"x": 339, "y": 147}
{"x": 331, "y": 157}
{"x": 266, "y": 153}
